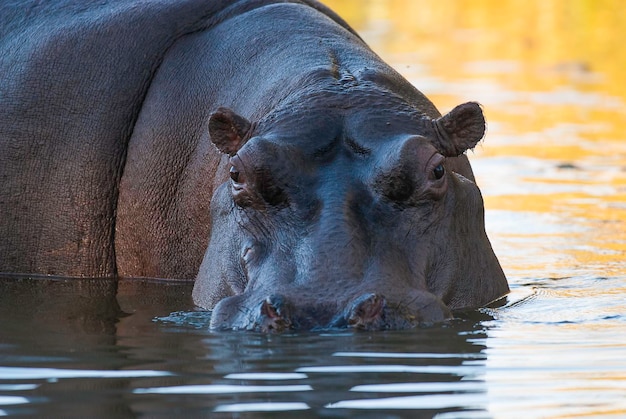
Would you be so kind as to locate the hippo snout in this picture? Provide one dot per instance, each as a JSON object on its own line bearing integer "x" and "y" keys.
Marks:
{"x": 277, "y": 313}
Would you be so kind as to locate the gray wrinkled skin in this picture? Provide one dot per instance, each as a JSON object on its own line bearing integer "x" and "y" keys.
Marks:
{"x": 258, "y": 146}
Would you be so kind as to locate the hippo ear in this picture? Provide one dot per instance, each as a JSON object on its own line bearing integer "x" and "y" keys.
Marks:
{"x": 460, "y": 129}
{"x": 228, "y": 130}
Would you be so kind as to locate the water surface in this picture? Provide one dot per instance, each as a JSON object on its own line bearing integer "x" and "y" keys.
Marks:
{"x": 553, "y": 174}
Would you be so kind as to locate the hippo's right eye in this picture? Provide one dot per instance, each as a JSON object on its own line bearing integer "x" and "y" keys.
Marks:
{"x": 439, "y": 171}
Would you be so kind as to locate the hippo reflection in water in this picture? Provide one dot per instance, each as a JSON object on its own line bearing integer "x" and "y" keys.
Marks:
{"x": 330, "y": 191}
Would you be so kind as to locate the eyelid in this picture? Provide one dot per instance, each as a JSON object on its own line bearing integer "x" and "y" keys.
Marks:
{"x": 434, "y": 161}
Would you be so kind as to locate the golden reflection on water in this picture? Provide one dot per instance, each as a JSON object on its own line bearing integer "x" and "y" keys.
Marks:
{"x": 551, "y": 77}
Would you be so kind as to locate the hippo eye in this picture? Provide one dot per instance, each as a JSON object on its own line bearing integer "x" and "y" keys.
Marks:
{"x": 439, "y": 171}
{"x": 234, "y": 174}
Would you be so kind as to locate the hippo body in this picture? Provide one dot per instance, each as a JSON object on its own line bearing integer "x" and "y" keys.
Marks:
{"x": 258, "y": 146}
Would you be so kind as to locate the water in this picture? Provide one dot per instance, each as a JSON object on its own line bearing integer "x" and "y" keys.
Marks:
{"x": 553, "y": 173}
{"x": 555, "y": 349}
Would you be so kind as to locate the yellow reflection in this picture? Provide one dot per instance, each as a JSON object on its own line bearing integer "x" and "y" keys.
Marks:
{"x": 551, "y": 77}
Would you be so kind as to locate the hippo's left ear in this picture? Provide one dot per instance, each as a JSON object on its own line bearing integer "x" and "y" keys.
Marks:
{"x": 460, "y": 129}
{"x": 228, "y": 131}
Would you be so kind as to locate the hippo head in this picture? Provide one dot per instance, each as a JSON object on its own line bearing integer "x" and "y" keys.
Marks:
{"x": 347, "y": 212}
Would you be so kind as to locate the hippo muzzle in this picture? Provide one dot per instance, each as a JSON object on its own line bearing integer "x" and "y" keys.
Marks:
{"x": 369, "y": 311}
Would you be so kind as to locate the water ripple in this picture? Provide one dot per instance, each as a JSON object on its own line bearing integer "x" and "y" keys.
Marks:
{"x": 10, "y": 400}
{"x": 265, "y": 376}
{"x": 407, "y": 355}
{"x": 462, "y": 386}
{"x": 436, "y": 401}
{"x": 25, "y": 373}
{"x": 426, "y": 369}
{"x": 220, "y": 389}
{"x": 261, "y": 407}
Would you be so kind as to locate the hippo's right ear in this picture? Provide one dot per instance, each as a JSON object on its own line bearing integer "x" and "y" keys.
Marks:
{"x": 460, "y": 129}
{"x": 228, "y": 131}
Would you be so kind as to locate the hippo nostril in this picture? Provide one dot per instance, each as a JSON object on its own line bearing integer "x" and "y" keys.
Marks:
{"x": 272, "y": 307}
{"x": 367, "y": 311}
{"x": 274, "y": 314}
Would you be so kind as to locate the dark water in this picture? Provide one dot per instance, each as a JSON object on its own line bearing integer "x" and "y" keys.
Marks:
{"x": 555, "y": 349}
{"x": 550, "y": 75}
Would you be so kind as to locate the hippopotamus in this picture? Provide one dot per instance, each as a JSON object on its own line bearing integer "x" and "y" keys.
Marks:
{"x": 259, "y": 147}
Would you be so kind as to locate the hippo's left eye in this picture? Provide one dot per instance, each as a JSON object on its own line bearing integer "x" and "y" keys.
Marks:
{"x": 439, "y": 171}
